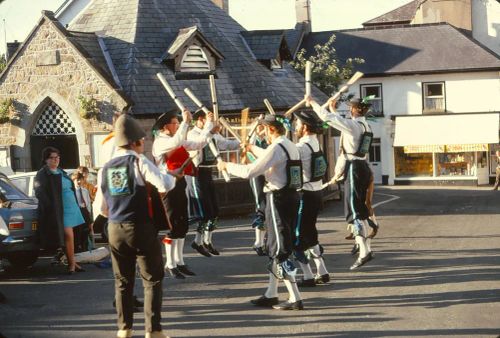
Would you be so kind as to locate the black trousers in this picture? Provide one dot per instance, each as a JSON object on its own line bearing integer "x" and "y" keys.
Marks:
{"x": 306, "y": 233}
{"x": 357, "y": 179}
{"x": 257, "y": 185}
{"x": 281, "y": 215}
{"x": 131, "y": 243}
{"x": 176, "y": 202}
{"x": 201, "y": 194}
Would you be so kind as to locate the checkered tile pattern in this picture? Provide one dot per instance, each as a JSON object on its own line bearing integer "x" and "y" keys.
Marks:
{"x": 54, "y": 121}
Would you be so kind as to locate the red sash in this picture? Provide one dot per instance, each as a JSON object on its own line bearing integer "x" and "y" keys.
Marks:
{"x": 177, "y": 158}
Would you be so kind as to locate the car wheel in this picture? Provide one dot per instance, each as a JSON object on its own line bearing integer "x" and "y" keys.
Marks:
{"x": 23, "y": 259}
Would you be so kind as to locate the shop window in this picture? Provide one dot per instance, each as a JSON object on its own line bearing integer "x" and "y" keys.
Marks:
{"x": 413, "y": 164}
{"x": 375, "y": 90}
{"x": 434, "y": 97}
{"x": 456, "y": 164}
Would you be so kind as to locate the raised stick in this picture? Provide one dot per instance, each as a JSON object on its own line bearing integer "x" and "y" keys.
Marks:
{"x": 294, "y": 108}
{"x": 170, "y": 91}
{"x": 352, "y": 80}
{"x": 197, "y": 102}
{"x": 216, "y": 153}
{"x": 269, "y": 107}
{"x": 308, "y": 78}
{"x": 213, "y": 92}
{"x": 230, "y": 129}
{"x": 244, "y": 122}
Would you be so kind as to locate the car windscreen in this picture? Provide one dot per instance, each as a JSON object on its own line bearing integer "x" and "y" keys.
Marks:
{"x": 9, "y": 192}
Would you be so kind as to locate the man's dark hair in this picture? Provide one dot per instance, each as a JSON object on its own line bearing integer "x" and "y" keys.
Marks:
{"x": 47, "y": 151}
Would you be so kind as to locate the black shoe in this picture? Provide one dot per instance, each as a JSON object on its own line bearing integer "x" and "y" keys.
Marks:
{"x": 361, "y": 261}
{"x": 263, "y": 301}
{"x": 201, "y": 249}
{"x": 289, "y": 306}
{"x": 174, "y": 272}
{"x": 137, "y": 302}
{"x": 323, "y": 279}
{"x": 355, "y": 249}
{"x": 306, "y": 283}
{"x": 210, "y": 248}
{"x": 374, "y": 232}
{"x": 259, "y": 250}
{"x": 185, "y": 270}
{"x": 57, "y": 259}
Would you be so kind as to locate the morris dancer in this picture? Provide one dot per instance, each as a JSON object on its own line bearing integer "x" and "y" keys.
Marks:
{"x": 257, "y": 186}
{"x": 170, "y": 149}
{"x": 357, "y": 171}
{"x": 275, "y": 163}
{"x": 132, "y": 234}
{"x": 203, "y": 206}
{"x": 314, "y": 166}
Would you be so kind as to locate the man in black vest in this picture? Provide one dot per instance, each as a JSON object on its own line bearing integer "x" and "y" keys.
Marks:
{"x": 132, "y": 235}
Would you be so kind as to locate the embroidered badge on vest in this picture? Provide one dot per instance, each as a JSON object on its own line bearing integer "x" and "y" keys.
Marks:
{"x": 118, "y": 182}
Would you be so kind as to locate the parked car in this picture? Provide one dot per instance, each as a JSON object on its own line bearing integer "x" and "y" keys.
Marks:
{"x": 24, "y": 181}
{"x": 18, "y": 214}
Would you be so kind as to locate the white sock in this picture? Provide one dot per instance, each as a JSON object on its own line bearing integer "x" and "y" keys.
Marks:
{"x": 306, "y": 269}
{"x": 207, "y": 238}
{"x": 259, "y": 237}
{"x": 368, "y": 241}
{"x": 319, "y": 262}
{"x": 169, "y": 254}
{"x": 363, "y": 250}
{"x": 179, "y": 251}
{"x": 374, "y": 219}
{"x": 272, "y": 287}
{"x": 198, "y": 238}
{"x": 293, "y": 291}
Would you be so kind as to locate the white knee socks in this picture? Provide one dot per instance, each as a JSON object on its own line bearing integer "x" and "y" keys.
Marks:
{"x": 318, "y": 261}
{"x": 272, "y": 287}
{"x": 259, "y": 238}
{"x": 179, "y": 251}
{"x": 198, "y": 238}
{"x": 293, "y": 291}
{"x": 169, "y": 254}
{"x": 306, "y": 269}
{"x": 207, "y": 238}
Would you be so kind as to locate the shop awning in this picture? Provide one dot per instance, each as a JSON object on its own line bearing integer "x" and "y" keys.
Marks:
{"x": 435, "y": 131}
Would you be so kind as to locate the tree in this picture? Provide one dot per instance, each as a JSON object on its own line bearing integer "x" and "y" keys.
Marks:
{"x": 3, "y": 62}
{"x": 328, "y": 72}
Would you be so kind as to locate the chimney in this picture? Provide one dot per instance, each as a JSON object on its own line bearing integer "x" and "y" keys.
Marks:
{"x": 223, "y": 4}
{"x": 303, "y": 13}
{"x": 12, "y": 47}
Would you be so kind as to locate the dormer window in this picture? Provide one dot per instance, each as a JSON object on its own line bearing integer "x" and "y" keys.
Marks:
{"x": 276, "y": 64}
{"x": 191, "y": 55}
{"x": 195, "y": 60}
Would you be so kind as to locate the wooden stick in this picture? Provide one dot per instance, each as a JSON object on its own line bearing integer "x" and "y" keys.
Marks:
{"x": 308, "y": 78}
{"x": 269, "y": 107}
{"x": 253, "y": 128}
{"x": 294, "y": 108}
{"x": 244, "y": 122}
{"x": 170, "y": 91}
{"x": 213, "y": 92}
{"x": 216, "y": 153}
{"x": 344, "y": 88}
{"x": 197, "y": 102}
{"x": 230, "y": 129}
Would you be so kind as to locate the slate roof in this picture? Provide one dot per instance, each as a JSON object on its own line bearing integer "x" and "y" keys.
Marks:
{"x": 429, "y": 48}
{"x": 265, "y": 44}
{"x": 187, "y": 34}
{"x": 400, "y": 15}
{"x": 138, "y": 32}
{"x": 294, "y": 38}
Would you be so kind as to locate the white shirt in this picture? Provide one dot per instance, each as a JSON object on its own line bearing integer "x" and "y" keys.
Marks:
{"x": 83, "y": 198}
{"x": 162, "y": 182}
{"x": 221, "y": 142}
{"x": 270, "y": 161}
{"x": 305, "y": 156}
{"x": 351, "y": 129}
{"x": 163, "y": 143}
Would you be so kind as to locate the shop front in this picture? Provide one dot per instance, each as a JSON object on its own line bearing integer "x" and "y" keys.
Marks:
{"x": 452, "y": 149}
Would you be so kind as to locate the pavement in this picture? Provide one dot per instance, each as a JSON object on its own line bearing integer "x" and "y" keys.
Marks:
{"x": 436, "y": 272}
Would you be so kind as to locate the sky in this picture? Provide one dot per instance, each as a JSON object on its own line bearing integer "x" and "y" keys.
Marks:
{"x": 22, "y": 15}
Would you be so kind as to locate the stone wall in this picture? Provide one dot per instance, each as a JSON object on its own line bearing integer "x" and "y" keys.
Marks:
{"x": 50, "y": 67}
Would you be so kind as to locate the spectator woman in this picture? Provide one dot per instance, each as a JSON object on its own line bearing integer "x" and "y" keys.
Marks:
{"x": 92, "y": 189}
{"x": 58, "y": 210}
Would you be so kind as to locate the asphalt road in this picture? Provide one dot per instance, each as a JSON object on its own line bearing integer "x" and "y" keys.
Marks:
{"x": 436, "y": 272}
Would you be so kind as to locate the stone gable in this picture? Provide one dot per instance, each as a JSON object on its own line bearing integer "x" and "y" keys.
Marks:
{"x": 50, "y": 67}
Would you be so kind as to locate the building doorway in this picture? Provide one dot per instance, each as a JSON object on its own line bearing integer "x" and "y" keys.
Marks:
{"x": 54, "y": 128}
